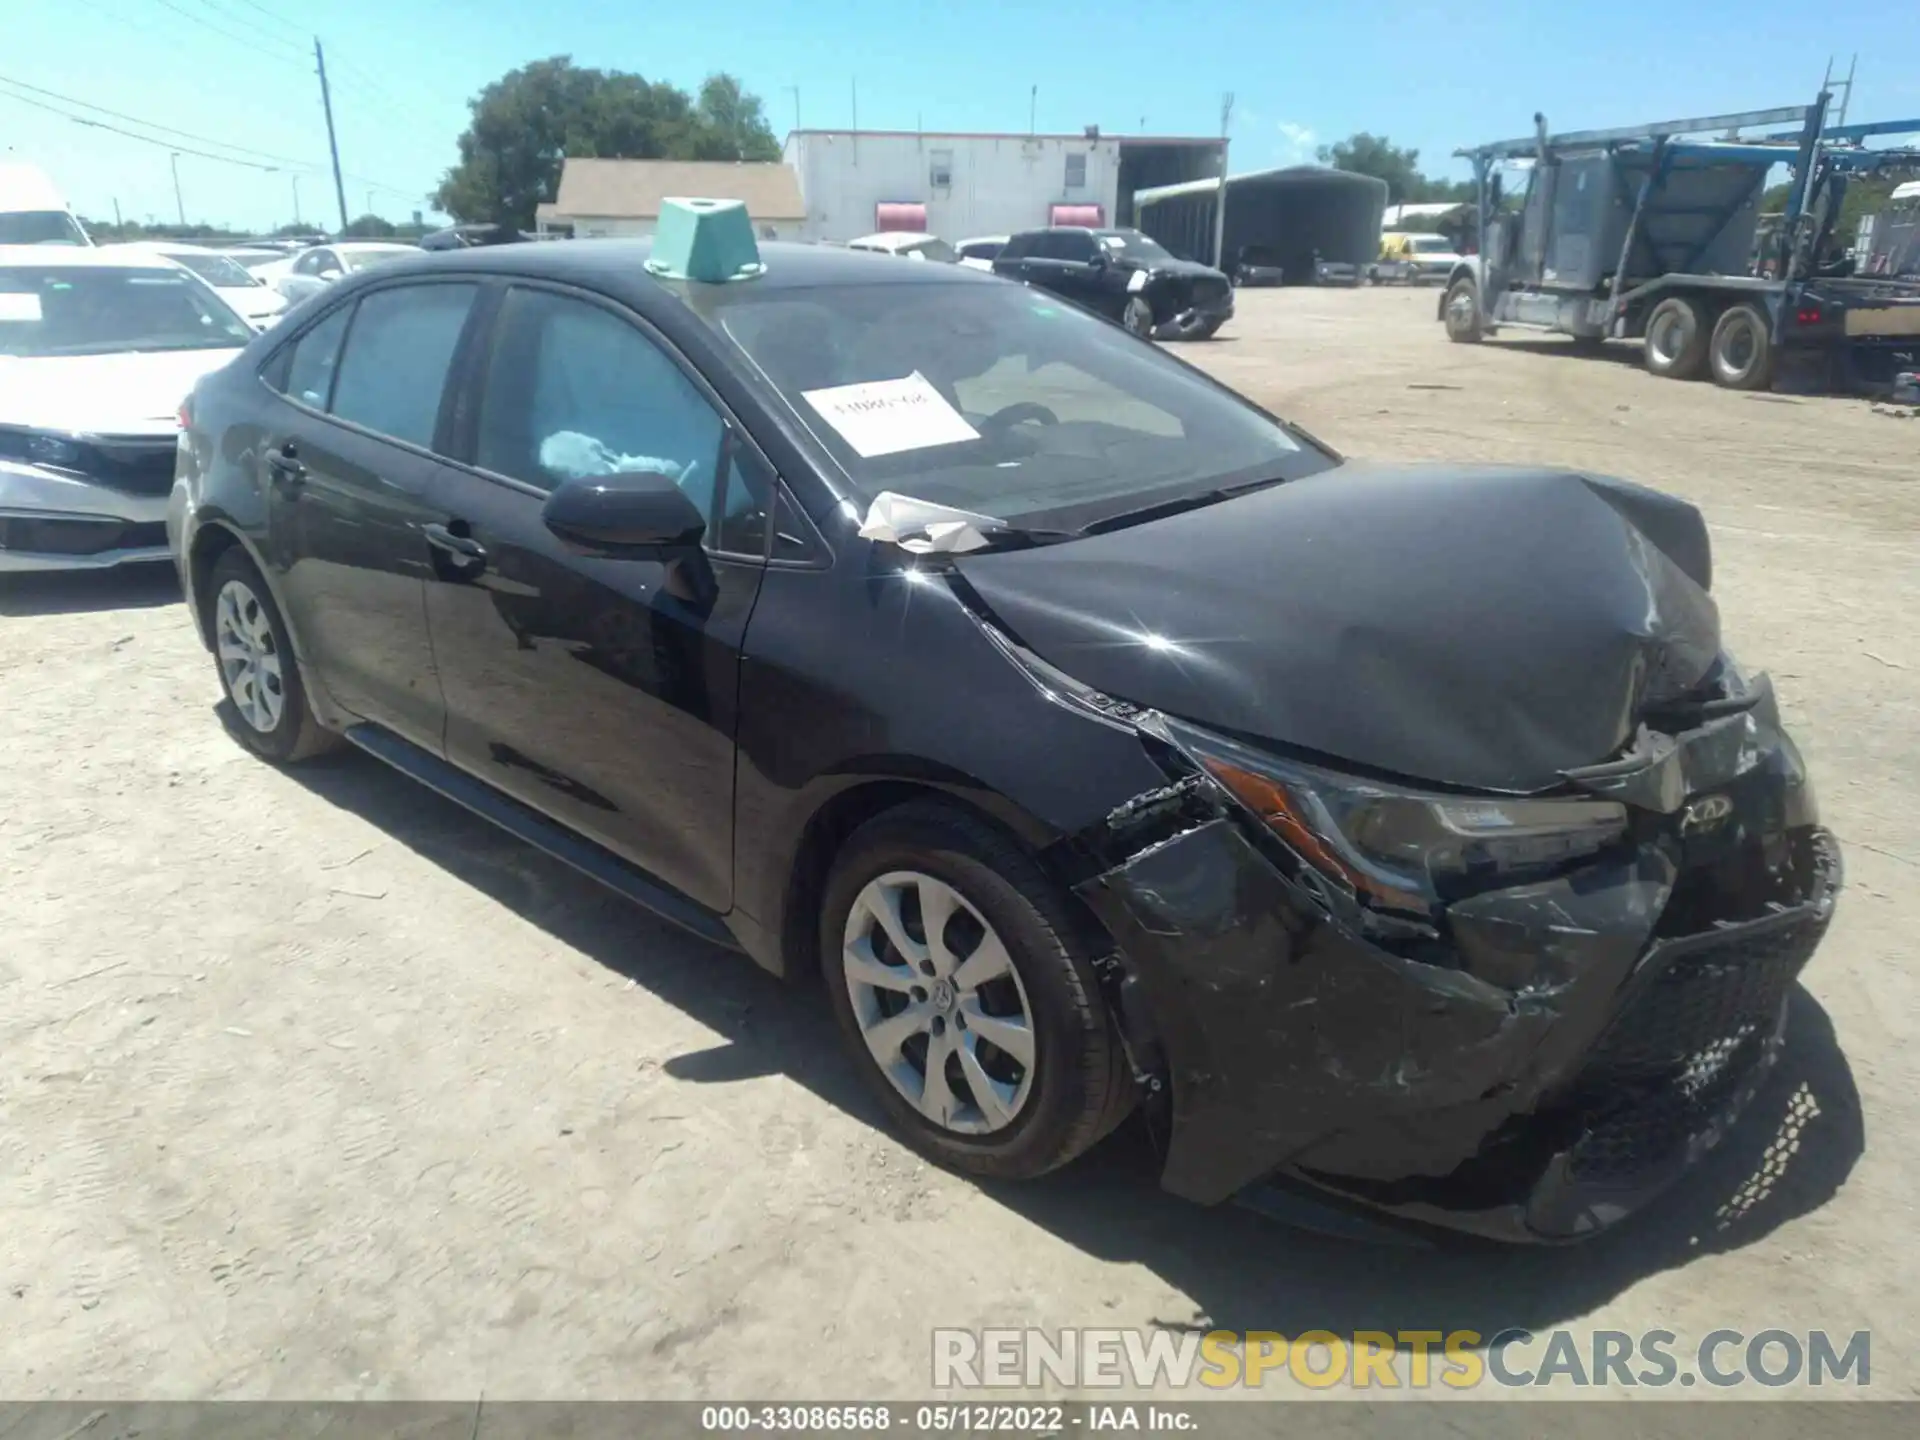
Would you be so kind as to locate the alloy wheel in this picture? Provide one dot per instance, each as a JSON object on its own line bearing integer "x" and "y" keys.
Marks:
{"x": 250, "y": 661}
{"x": 939, "y": 1003}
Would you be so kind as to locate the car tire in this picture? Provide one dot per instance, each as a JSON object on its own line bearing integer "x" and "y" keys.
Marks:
{"x": 1462, "y": 312}
{"x": 1740, "y": 353}
{"x": 257, "y": 668}
{"x": 1676, "y": 340}
{"x": 994, "y": 1113}
{"x": 1137, "y": 318}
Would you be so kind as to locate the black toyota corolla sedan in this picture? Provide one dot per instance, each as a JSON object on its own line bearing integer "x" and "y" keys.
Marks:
{"x": 1400, "y": 835}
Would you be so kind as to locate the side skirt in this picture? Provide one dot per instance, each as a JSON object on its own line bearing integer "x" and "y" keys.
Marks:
{"x": 594, "y": 861}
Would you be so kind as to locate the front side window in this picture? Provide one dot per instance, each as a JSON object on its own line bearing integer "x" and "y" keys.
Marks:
{"x": 1017, "y": 248}
{"x": 574, "y": 391}
{"x": 999, "y": 399}
{"x": 91, "y": 310}
{"x": 399, "y": 349}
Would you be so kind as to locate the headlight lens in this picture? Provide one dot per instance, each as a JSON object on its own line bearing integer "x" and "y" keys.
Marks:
{"x": 1404, "y": 849}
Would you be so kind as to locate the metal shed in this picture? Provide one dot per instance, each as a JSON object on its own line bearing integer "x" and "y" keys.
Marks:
{"x": 1292, "y": 213}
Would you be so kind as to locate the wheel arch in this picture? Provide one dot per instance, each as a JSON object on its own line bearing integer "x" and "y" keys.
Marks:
{"x": 841, "y": 812}
{"x": 213, "y": 537}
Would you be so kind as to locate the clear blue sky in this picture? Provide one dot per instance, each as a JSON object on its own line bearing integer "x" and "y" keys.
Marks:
{"x": 1426, "y": 75}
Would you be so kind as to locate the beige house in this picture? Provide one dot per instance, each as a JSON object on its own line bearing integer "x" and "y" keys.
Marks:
{"x": 622, "y": 197}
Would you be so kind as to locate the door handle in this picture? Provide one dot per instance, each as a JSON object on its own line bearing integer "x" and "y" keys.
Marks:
{"x": 283, "y": 462}
{"x": 463, "y": 547}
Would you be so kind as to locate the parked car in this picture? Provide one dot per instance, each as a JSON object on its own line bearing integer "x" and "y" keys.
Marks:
{"x": 98, "y": 347}
{"x": 978, "y": 252}
{"x": 33, "y": 211}
{"x": 257, "y": 302}
{"x": 1335, "y": 272}
{"x": 311, "y": 271}
{"x": 1416, "y": 259}
{"x": 1403, "y": 833}
{"x": 1258, "y": 265}
{"x": 909, "y": 245}
{"x": 1123, "y": 275}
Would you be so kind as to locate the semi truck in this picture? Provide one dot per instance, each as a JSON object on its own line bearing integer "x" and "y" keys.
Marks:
{"x": 1653, "y": 233}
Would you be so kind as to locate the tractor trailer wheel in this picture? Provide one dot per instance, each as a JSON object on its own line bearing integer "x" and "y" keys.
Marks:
{"x": 1677, "y": 336}
{"x": 1741, "y": 351}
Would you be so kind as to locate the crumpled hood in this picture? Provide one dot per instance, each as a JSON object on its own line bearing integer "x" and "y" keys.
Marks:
{"x": 1487, "y": 628}
{"x": 118, "y": 394}
{"x": 1185, "y": 269}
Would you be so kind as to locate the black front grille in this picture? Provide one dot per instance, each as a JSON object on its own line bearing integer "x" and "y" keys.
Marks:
{"x": 79, "y": 537}
{"x": 1209, "y": 291}
{"x": 1685, "y": 1045}
{"x": 134, "y": 467}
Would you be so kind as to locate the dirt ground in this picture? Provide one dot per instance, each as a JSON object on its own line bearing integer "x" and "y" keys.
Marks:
{"x": 313, "y": 1086}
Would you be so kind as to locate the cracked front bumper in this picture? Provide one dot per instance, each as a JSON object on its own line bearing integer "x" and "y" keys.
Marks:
{"x": 1582, "y": 1041}
{"x": 52, "y": 521}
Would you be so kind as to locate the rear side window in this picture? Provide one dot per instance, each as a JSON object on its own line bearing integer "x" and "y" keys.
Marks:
{"x": 398, "y": 352}
{"x": 1017, "y": 248}
{"x": 305, "y": 372}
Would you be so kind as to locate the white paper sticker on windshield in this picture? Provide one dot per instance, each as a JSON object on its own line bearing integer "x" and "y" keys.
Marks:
{"x": 18, "y": 307}
{"x": 885, "y": 417}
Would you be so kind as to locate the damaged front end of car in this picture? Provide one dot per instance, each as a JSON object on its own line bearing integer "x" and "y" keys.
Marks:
{"x": 1521, "y": 1015}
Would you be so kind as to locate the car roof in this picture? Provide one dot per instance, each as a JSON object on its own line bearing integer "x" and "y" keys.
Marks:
{"x": 82, "y": 257}
{"x": 894, "y": 239}
{"x": 617, "y": 266}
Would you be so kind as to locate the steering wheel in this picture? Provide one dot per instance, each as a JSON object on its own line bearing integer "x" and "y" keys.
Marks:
{"x": 1021, "y": 410}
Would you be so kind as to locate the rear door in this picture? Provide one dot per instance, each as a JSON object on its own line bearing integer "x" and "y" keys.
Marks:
{"x": 366, "y": 388}
{"x": 601, "y": 692}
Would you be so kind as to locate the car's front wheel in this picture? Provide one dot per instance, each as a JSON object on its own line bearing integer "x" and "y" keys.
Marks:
{"x": 1138, "y": 317}
{"x": 966, "y": 994}
{"x": 258, "y": 670}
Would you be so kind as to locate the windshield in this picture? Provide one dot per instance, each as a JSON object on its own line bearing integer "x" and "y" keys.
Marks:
{"x": 999, "y": 399}
{"x": 257, "y": 259}
{"x": 40, "y": 227}
{"x": 1433, "y": 245}
{"x": 1134, "y": 245}
{"x": 361, "y": 259}
{"x": 71, "y": 310}
{"x": 220, "y": 270}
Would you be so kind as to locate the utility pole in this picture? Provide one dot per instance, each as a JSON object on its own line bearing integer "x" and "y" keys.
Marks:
{"x": 178, "y": 203}
{"x": 296, "y": 199}
{"x": 1033, "y": 111}
{"x": 333, "y": 145}
{"x": 116, "y": 212}
{"x": 796, "y": 103}
{"x": 1220, "y": 198}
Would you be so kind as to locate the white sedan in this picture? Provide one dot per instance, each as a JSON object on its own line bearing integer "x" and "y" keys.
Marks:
{"x": 98, "y": 350}
{"x": 909, "y": 244}
{"x": 311, "y": 271}
{"x": 977, "y": 252}
{"x": 256, "y": 300}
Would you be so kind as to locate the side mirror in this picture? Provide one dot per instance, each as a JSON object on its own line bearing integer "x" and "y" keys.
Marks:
{"x": 635, "y": 516}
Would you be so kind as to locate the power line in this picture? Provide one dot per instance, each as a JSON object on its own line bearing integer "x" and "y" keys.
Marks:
{"x": 299, "y": 30}
{"x": 284, "y": 162}
{"x": 148, "y": 139}
{"x": 185, "y": 14}
{"x": 150, "y": 124}
{"x": 236, "y": 18}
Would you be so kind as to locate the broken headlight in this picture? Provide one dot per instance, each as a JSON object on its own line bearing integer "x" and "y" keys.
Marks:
{"x": 1401, "y": 848}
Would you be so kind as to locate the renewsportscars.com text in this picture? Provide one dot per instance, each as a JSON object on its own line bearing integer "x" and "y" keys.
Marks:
{"x": 1409, "y": 1359}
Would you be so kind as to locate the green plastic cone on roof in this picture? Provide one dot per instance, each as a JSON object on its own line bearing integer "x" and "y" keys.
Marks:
{"x": 710, "y": 240}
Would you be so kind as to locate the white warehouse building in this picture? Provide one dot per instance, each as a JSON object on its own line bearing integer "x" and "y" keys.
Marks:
{"x": 957, "y": 185}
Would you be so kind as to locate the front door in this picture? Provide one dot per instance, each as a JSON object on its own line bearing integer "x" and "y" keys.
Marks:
{"x": 349, "y": 492}
{"x": 601, "y": 692}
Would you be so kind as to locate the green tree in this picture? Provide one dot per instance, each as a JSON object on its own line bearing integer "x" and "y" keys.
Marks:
{"x": 370, "y": 227}
{"x": 1376, "y": 155}
{"x": 526, "y": 123}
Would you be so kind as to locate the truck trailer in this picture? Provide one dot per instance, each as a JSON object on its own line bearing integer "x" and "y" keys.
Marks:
{"x": 1653, "y": 233}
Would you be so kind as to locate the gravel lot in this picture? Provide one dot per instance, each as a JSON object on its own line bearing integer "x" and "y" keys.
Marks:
{"x": 313, "y": 1086}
